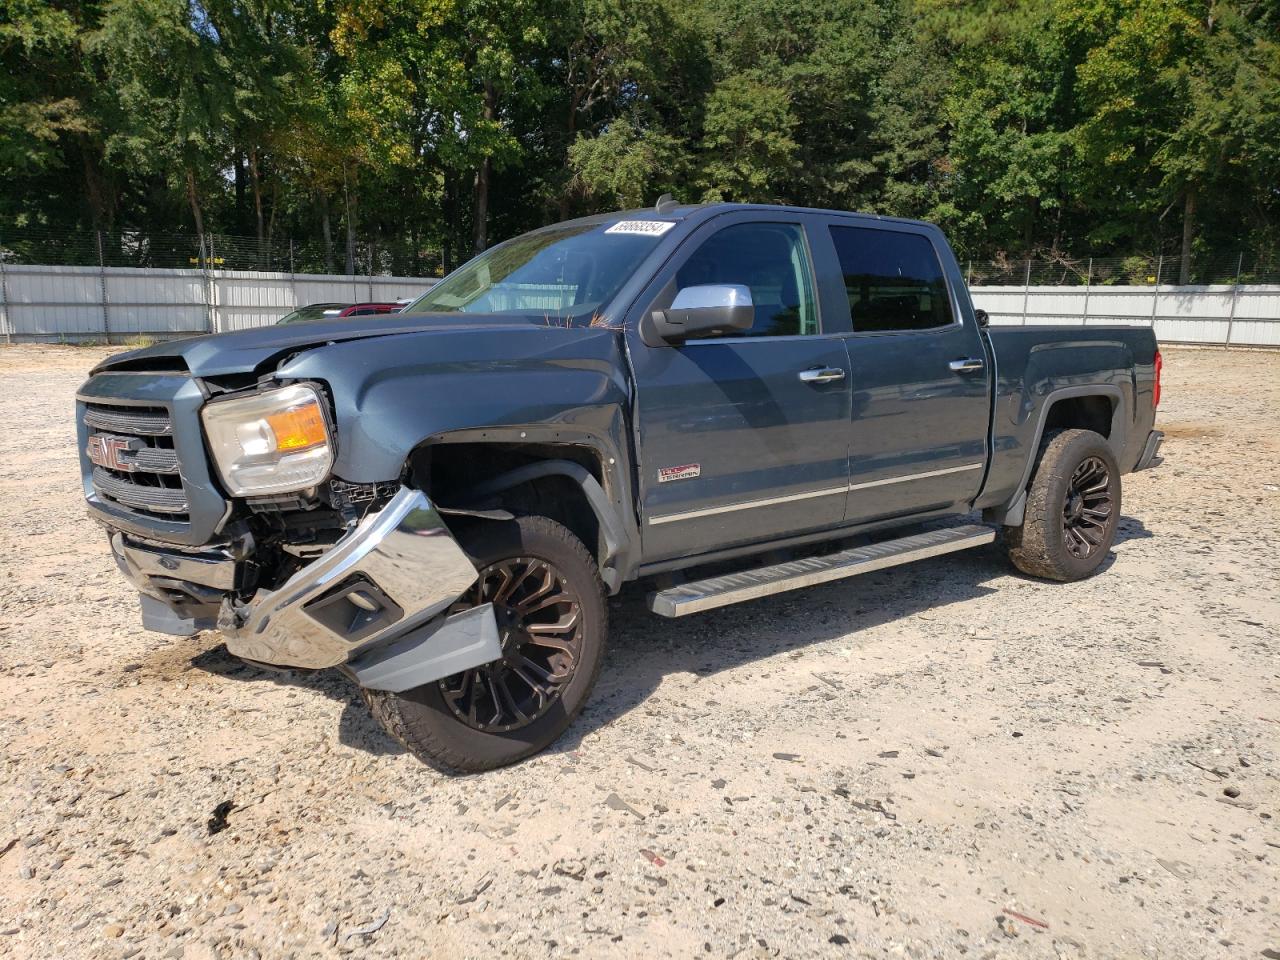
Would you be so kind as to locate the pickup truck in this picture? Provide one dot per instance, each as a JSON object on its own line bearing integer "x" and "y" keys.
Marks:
{"x": 723, "y": 401}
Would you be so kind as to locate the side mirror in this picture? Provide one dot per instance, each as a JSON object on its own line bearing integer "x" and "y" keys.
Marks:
{"x": 982, "y": 317}
{"x": 711, "y": 310}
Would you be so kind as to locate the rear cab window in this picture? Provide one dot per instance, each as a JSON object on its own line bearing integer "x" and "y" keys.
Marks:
{"x": 893, "y": 280}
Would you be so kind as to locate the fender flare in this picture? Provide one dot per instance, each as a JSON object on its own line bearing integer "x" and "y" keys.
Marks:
{"x": 616, "y": 544}
{"x": 1012, "y": 512}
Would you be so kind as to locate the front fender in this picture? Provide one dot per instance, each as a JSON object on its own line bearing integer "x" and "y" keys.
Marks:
{"x": 392, "y": 394}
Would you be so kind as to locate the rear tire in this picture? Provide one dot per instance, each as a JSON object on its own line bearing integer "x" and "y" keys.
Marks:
{"x": 1073, "y": 507}
{"x": 494, "y": 716}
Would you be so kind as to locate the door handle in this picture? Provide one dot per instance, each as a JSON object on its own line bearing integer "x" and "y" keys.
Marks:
{"x": 967, "y": 365}
{"x": 821, "y": 375}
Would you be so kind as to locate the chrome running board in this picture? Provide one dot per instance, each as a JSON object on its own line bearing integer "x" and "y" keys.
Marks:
{"x": 749, "y": 584}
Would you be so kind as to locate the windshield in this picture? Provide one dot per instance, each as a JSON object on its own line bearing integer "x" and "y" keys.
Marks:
{"x": 567, "y": 272}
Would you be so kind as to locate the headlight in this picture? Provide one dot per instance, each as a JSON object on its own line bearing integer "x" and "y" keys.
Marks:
{"x": 272, "y": 442}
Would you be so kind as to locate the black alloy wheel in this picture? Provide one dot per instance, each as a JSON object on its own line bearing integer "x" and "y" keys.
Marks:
{"x": 549, "y": 604}
{"x": 1072, "y": 509}
{"x": 1086, "y": 514}
{"x": 539, "y": 619}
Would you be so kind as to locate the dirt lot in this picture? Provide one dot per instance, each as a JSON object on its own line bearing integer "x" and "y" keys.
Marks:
{"x": 944, "y": 760}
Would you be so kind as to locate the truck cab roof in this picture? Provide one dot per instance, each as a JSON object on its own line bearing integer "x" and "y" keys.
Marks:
{"x": 694, "y": 214}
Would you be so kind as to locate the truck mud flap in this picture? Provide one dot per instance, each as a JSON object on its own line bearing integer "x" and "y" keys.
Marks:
{"x": 1150, "y": 452}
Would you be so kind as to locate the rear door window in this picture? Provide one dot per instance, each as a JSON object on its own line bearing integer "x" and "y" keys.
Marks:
{"x": 893, "y": 280}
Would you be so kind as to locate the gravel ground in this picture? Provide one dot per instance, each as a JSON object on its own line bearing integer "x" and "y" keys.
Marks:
{"x": 944, "y": 760}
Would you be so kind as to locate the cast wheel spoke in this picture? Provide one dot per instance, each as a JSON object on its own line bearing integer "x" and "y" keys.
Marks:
{"x": 540, "y": 623}
{"x": 508, "y": 701}
{"x": 1087, "y": 509}
{"x": 539, "y": 597}
{"x": 568, "y": 622}
{"x": 553, "y": 643}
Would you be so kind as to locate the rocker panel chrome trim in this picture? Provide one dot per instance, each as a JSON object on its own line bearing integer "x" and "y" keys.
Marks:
{"x": 745, "y": 505}
{"x": 915, "y": 476}
{"x": 807, "y": 495}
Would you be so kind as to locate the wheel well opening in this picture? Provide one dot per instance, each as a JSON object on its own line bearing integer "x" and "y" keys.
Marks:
{"x": 449, "y": 472}
{"x": 1083, "y": 413}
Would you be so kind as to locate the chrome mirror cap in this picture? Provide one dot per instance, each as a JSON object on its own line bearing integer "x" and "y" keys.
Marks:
{"x": 713, "y": 295}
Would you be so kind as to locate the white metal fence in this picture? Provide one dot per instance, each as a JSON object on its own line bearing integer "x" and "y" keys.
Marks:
{"x": 1245, "y": 315}
{"x": 123, "y": 303}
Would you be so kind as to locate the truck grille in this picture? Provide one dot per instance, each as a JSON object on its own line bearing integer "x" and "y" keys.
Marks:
{"x": 150, "y": 423}
{"x": 135, "y": 464}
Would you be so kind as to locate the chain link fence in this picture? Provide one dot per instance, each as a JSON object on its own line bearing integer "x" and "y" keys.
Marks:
{"x": 404, "y": 257}
{"x": 216, "y": 251}
{"x": 1236, "y": 268}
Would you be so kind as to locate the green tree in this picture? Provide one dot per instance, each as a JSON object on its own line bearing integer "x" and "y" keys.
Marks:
{"x": 1026, "y": 128}
{"x": 1009, "y": 110}
{"x": 629, "y": 79}
{"x": 165, "y": 61}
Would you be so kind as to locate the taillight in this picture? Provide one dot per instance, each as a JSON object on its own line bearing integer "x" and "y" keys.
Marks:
{"x": 1155, "y": 394}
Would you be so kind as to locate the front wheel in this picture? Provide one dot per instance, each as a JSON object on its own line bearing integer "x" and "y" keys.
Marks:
{"x": 1073, "y": 507}
{"x": 549, "y": 604}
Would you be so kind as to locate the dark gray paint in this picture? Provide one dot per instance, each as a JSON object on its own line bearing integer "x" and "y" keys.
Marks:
{"x": 182, "y": 397}
{"x": 616, "y": 541}
{"x": 733, "y": 406}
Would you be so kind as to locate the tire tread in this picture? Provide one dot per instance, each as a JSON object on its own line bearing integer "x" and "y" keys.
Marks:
{"x": 1028, "y": 544}
{"x": 406, "y": 723}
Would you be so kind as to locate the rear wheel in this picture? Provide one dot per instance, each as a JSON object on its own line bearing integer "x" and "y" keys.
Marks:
{"x": 1073, "y": 507}
{"x": 549, "y": 603}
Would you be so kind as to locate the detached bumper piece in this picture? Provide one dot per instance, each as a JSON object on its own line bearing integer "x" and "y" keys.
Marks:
{"x": 374, "y": 604}
{"x": 445, "y": 646}
{"x": 399, "y": 568}
{"x": 1151, "y": 451}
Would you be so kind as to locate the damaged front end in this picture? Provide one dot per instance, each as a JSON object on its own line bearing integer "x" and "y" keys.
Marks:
{"x": 356, "y": 576}
{"x": 396, "y": 568}
{"x": 374, "y": 603}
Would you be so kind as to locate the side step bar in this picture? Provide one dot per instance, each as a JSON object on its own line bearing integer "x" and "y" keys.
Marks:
{"x": 748, "y": 585}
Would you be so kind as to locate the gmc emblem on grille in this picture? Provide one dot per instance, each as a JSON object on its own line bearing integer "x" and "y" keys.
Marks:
{"x": 105, "y": 450}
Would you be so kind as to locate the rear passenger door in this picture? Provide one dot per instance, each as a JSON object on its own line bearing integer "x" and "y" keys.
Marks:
{"x": 741, "y": 438}
{"x": 920, "y": 403}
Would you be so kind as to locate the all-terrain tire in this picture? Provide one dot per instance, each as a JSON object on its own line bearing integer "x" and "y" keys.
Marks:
{"x": 422, "y": 720}
{"x": 1042, "y": 546}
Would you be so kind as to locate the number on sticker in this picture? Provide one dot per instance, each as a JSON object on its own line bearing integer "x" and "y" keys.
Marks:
{"x": 650, "y": 228}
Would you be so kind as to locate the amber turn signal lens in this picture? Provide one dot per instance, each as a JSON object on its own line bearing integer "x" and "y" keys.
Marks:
{"x": 299, "y": 428}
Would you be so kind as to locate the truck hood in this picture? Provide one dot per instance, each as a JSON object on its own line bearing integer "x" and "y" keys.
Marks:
{"x": 262, "y": 348}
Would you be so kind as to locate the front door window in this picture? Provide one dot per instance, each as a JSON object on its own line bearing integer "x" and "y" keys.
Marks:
{"x": 771, "y": 260}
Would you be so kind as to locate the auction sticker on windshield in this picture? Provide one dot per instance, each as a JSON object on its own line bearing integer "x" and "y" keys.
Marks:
{"x": 650, "y": 228}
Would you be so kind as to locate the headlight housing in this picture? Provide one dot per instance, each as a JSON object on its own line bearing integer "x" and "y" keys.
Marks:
{"x": 276, "y": 441}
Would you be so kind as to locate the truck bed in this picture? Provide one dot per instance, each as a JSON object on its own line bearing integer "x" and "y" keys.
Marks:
{"x": 1036, "y": 367}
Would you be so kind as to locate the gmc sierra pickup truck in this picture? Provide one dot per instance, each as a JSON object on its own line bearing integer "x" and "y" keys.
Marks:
{"x": 438, "y": 502}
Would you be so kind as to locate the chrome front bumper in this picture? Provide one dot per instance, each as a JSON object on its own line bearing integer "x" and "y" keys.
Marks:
{"x": 402, "y": 560}
{"x": 395, "y": 572}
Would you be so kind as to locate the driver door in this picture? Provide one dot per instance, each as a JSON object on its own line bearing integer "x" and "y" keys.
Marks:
{"x": 739, "y": 440}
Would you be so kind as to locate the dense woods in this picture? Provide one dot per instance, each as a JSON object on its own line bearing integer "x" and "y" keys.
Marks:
{"x": 431, "y": 128}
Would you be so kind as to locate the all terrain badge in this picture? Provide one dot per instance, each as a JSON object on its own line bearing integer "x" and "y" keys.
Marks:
{"x": 686, "y": 472}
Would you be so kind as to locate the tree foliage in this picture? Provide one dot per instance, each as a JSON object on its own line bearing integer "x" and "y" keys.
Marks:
{"x": 1025, "y": 127}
